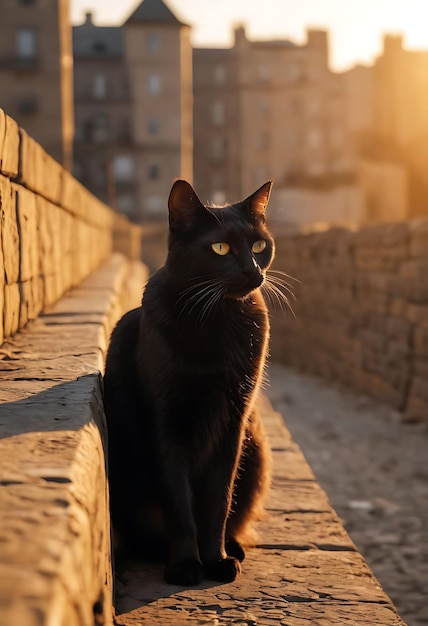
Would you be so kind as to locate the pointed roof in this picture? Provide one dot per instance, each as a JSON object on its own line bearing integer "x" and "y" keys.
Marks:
{"x": 155, "y": 12}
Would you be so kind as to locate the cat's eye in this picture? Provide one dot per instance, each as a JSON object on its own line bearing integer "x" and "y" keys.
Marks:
{"x": 259, "y": 246}
{"x": 221, "y": 248}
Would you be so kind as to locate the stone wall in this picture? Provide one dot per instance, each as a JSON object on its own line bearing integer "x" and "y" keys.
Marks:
{"x": 361, "y": 310}
{"x": 53, "y": 232}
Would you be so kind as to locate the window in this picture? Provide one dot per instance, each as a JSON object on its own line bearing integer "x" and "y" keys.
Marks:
{"x": 155, "y": 205}
{"x": 153, "y": 172}
{"x": 263, "y": 106}
{"x": 124, "y": 132}
{"x": 314, "y": 138}
{"x": 123, "y": 169}
{"x": 99, "y": 46}
{"x": 154, "y": 84}
{"x": 218, "y": 113}
{"x": 101, "y": 128}
{"x": 153, "y": 43}
{"x": 295, "y": 71}
{"x": 99, "y": 86}
{"x": 26, "y": 43}
{"x": 263, "y": 73}
{"x": 28, "y": 105}
{"x": 217, "y": 148}
{"x": 27, "y": 2}
{"x": 219, "y": 74}
{"x": 153, "y": 126}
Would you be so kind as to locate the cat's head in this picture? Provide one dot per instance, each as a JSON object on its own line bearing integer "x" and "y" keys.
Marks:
{"x": 223, "y": 251}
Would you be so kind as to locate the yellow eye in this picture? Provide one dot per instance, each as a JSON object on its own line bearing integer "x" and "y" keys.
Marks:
{"x": 221, "y": 248}
{"x": 259, "y": 246}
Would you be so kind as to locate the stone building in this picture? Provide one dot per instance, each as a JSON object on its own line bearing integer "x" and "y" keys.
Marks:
{"x": 36, "y": 72}
{"x": 267, "y": 109}
{"x": 134, "y": 108}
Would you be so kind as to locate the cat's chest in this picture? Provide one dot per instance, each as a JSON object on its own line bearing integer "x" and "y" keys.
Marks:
{"x": 233, "y": 342}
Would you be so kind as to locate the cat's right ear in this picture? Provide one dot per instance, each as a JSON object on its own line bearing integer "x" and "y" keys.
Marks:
{"x": 183, "y": 206}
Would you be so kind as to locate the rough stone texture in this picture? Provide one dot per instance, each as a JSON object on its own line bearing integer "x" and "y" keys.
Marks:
{"x": 361, "y": 310}
{"x": 304, "y": 570}
{"x": 374, "y": 469}
{"x": 53, "y": 233}
{"x": 54, "y": 521}
{"x": 9, "y": 143}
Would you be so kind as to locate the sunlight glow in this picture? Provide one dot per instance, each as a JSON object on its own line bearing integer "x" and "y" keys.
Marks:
{"x": 356, "y": 26}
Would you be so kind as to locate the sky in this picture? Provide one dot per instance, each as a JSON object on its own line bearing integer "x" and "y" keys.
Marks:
{"x": 356, "y": 27}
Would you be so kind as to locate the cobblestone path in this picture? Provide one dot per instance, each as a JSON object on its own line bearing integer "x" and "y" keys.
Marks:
{"x": 374, "y": 469}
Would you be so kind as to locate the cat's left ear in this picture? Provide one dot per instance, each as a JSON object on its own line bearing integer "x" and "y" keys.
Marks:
{"x": 258, "y": 202}
{"x": 183, "y": 205}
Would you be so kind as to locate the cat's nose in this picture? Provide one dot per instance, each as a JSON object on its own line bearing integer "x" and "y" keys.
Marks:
{"x": 254, "y": 278}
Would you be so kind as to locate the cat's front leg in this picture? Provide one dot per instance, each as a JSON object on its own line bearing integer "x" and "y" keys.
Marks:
{"x": 184, "y": 566}
{"x": 214, "y": 506}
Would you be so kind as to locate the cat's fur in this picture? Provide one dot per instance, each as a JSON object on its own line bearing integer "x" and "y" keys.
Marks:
{"x": 188, "y": 455}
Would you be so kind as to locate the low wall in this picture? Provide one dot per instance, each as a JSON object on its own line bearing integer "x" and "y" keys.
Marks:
{"x": 53, "y": 232}
{"x": 361, "y": 310}
{"x": 54, "y": 522}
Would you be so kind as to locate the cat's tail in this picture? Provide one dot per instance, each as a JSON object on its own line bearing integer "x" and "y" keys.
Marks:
{"x": 251, "y": 485}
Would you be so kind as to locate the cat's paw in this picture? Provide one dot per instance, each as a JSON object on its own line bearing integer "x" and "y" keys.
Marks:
{"x": 225, "y": 570}
{"x": 186, "y": 572}
{"x": 234, "y": 548}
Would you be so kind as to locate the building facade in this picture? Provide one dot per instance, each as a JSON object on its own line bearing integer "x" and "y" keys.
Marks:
{"x": 268, "y": 109}
{"x": 36, "y": 72}
{"x": 134, "y": 108}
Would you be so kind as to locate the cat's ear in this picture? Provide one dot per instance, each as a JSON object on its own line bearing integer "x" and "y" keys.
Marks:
{"x": 258, "y": 201}
{"x": 183, "y": 205}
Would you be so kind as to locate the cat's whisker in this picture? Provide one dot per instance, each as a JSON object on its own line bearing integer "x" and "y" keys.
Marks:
{"x": 281, "y": 283}
{"x": 212, "y": 302}
{"x": 209, "y": 291}
{"x": 197, "y": 298}
{"x": 280, "y": 273}
{"x": 276, "y": 296}
{"x": 191, "y": 288}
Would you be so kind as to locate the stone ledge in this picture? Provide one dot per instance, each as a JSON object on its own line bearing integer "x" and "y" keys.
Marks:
{"x": 54, "y": 522}
{"x": 305, "y": 569}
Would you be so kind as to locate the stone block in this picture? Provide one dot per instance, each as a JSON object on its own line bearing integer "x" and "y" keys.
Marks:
{"x": 11, "y": 313}
{"x": 28, "y": 233}
{"x": 10, "y": 153}
{"x": 398, "y": 307}
{"x": 398, "y": 328}
{"x": 9, "y": 231}
{"x": 32, "y": 301}
{"x": 29, "y": 166}
{"x": 417, "y": 314}
{"x": 416, "y": 409}
{"x": 419, "y": 388}
{"x": 38, "y": 171}
{"x": 420, "y": 341}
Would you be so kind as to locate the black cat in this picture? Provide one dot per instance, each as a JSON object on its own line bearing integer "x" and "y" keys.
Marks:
{"x": 189, "y": 462}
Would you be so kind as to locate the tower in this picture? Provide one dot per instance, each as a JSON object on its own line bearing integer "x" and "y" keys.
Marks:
{"x": 158, "y": 57}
